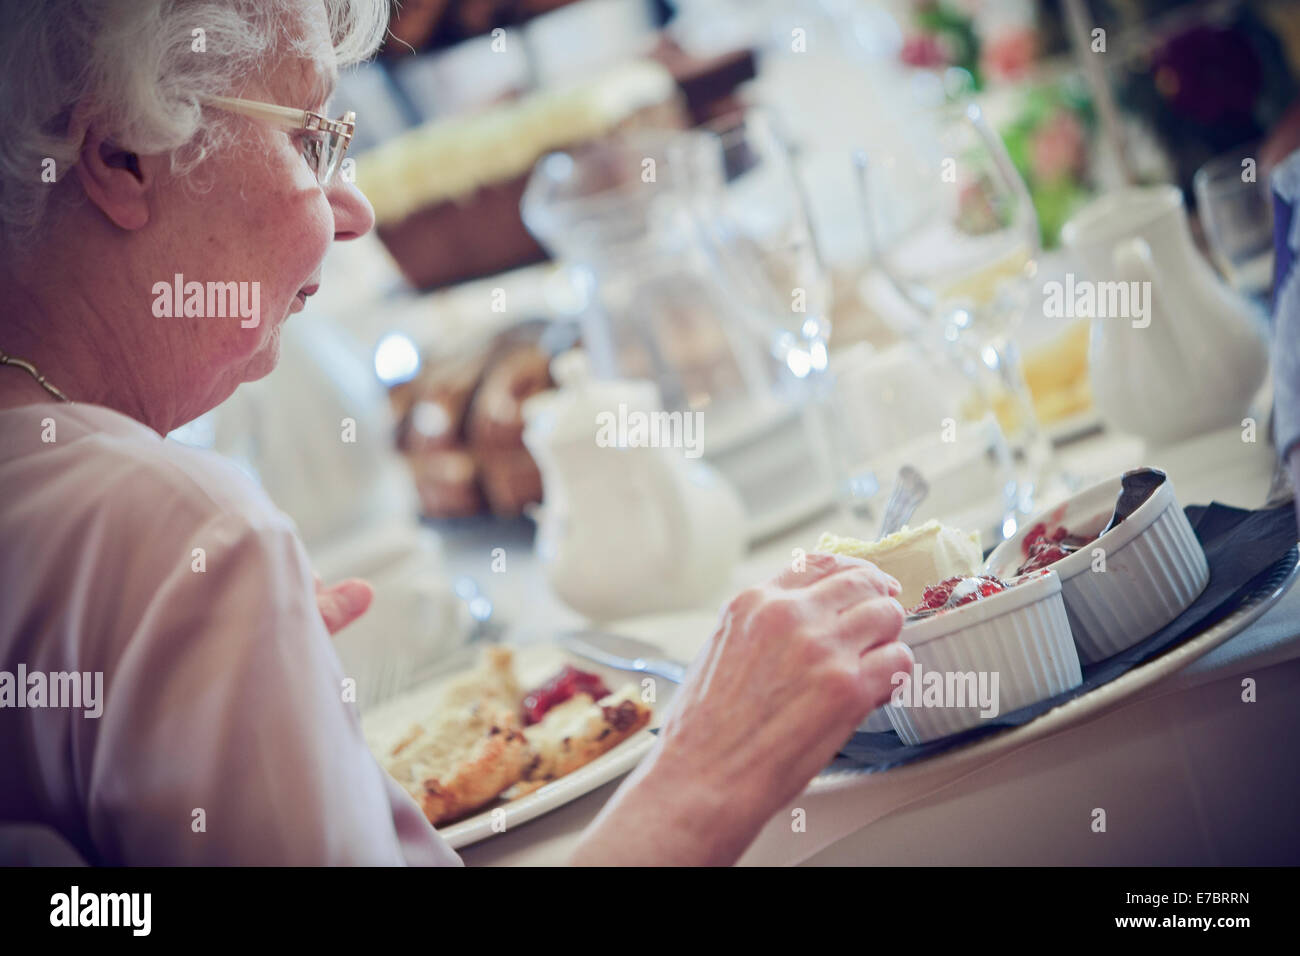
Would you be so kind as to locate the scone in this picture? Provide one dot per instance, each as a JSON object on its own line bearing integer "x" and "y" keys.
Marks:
{"x": 471, "y": 748}
{"x": 493, "y": 681}
{"x": 578, "y": 731}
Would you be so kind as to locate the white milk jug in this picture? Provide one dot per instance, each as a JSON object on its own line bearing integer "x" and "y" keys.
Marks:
{"x": 1186, "y": 354}
{"x": 631, "y": 521}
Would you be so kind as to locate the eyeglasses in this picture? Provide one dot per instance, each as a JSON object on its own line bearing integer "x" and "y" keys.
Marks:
{"x": 326, "y": 143}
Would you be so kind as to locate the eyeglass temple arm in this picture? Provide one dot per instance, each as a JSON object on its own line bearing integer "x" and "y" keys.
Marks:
{"x": 285, "y": 115}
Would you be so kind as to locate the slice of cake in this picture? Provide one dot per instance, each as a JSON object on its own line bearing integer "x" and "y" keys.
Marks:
{"x": 447, "y": 194}
{"x": 917, "y": 557}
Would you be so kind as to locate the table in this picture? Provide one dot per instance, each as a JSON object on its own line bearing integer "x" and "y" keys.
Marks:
{"x": 1175, "y": 769}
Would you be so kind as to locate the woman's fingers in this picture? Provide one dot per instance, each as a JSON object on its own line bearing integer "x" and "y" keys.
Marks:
{"x": 845, "y": 589}
{"x": 871, "y": 623}
{"x": 881, "y": 671}
{"x": 341, "y": 604}
{"x": 811, "y": 568}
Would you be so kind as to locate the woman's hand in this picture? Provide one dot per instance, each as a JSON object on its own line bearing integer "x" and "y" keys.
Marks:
{"x": 341, "y": 604}
{"x": 793, "y": 668}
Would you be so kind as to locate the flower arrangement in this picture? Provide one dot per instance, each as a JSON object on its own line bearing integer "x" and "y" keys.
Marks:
{"x": 1049, "y": 142}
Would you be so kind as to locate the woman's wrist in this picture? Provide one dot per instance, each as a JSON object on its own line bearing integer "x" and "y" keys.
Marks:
{"x": 671, "y": 812}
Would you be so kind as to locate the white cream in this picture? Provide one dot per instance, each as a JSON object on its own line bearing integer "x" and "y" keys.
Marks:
{"x": 917, "y": 557}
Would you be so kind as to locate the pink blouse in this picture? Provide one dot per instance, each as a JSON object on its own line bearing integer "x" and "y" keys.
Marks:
{"x": 222, "y": 735}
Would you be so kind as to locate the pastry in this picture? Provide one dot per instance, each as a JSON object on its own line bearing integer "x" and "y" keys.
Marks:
{"x": 446, "y": 194}
{"x": 576, "y": 732}
{"x": 471, "y": 748}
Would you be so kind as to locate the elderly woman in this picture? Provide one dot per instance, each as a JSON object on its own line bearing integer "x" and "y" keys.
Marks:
{"x": 158, "y": 143}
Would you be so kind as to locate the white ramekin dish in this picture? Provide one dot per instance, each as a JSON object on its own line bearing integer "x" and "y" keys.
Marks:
{"x": 1021, "y": 635}
{"x": 877, "y": 722}
{"x": 1154, "y": 567}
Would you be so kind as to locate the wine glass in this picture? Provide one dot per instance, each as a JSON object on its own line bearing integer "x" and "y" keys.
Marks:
{"x": 953, "y": 228}
{"x": 750, "y": 209}
{"x": 864, "y": 416}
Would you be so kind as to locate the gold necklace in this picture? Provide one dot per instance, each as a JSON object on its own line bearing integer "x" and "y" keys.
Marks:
{"x": 30, "y": 369}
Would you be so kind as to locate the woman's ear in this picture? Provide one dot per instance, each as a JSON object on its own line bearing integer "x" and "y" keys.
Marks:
{"x": 115, "y": 180}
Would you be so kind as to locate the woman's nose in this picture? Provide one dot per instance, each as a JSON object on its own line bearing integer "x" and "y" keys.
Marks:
{"x": 353, "y": 214}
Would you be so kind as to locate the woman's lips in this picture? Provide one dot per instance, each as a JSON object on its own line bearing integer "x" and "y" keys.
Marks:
{"x": 301, "y": 297}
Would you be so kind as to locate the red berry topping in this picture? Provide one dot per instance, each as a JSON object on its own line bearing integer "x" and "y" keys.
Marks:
{"x": 1042, "y": 548}
{"x": 559, "y": 688}
{"x": 954, "y": 592}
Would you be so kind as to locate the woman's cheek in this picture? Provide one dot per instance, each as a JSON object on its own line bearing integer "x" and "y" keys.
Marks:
{"x": 316, "y": 241}
{"x": 299, "y": 216}
{"x": 301, "y": 243}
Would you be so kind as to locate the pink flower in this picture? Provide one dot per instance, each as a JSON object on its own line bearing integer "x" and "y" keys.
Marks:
{"x": 1010, "y": 54}
{"x": 924, "y": 50}
{"x": 1057, "y": 149}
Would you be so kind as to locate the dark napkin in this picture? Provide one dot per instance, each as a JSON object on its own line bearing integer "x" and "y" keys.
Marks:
{"x": 1245, "y": 549}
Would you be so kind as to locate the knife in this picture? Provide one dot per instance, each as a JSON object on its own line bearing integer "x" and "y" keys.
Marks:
{"x": 622, "y": 653}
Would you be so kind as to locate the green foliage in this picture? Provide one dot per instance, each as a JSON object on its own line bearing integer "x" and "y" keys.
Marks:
{"x": 1057, "y": 197}
{"x": 958, "y": 30}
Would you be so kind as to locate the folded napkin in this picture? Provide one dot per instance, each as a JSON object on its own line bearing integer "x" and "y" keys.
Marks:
{"x": 1245, "y": 549}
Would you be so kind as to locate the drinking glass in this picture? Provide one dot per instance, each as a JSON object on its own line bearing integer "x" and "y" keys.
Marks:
{"x": 1237, "y": 214}
{"x": 953, "y": 228}
{"x": 650, "y": 308}
{"x": 865, "y": 414}
{"x": 902, "y": 406}
{"x": 749, "y": 207}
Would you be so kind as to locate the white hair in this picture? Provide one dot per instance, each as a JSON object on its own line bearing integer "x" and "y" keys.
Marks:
{"x": 129, "y": 66}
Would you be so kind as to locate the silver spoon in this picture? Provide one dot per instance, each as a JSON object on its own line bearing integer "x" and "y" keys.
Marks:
{"x": 906, "y": 496}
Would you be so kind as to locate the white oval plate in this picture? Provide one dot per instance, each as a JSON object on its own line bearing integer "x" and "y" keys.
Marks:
{"x": 386, "y": 723}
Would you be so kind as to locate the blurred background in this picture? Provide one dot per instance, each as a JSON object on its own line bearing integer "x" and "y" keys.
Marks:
{"x": 825, "y": 225}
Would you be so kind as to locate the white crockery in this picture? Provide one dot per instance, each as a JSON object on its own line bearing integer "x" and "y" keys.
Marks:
{"x": 1021, "y": 635}
{"x": 632, "y": 529}
{"x": 1193, "y": 361}
{"x": 876, "y": 722}
{"x": 1154, "y": 567}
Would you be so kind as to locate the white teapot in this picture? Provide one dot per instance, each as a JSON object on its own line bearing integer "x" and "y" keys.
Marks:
{"x": 1188, "y": 353}
{"x": 631, "y": 521}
